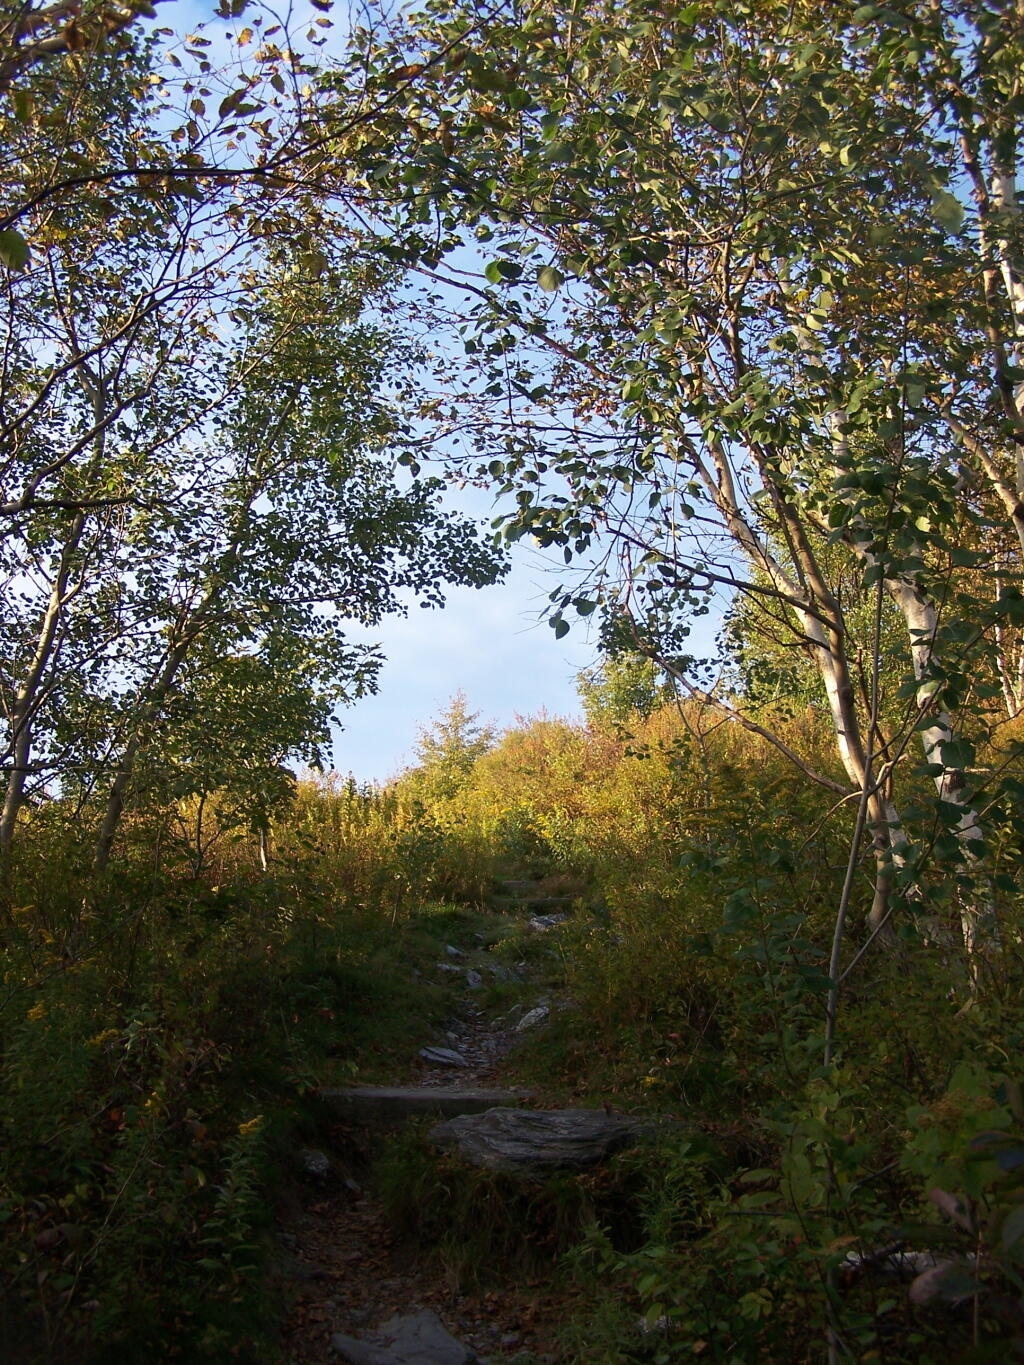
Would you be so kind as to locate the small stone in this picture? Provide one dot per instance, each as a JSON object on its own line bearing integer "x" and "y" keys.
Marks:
{"x": 452, "y": 951}
{"x": 474, "y": 979}
{"x": 443, "y": 1056}
{"x": 449, "y": 967}
{"x": 510, "y": 1340}
{"x": 532, "y": 1018}
{"x": 315, "y": 1165}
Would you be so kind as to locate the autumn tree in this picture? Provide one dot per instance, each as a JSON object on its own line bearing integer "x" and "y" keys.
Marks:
{"x": 199, "y": 487}
{"x": 448, "y": 748}
{"x": 750, "y": 332}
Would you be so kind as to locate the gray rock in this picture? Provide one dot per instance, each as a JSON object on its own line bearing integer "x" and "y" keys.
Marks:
{"x": 452, "y": 951}
{"x": 449, "y": 967}
{"x": 374, "y": 1106}
{"x": 315, "y": 1165}
{"x": 540, "y": 924}
{"x": 500, "y": 972}
{"x": 535, "y": 1142}
{"x": 416, "y": 1339}
{"x": 532, "y": 1018}
{"x": 442, "y": 1056}
{"x": 473, "y": 979}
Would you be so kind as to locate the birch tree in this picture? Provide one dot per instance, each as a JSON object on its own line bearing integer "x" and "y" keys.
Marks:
{"x": 746, "y": 324}
{"x": 197, "y": 477}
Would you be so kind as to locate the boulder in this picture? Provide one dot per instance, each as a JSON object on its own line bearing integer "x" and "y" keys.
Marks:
{"x": 532, "y": 1018}
{"x": 415, "y": 1339}
{"x": 473, "y": 979}
{"x": 535, "y": 1142}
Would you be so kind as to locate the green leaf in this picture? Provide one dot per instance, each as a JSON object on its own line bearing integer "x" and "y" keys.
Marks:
{"x": 23, "y": 104}
{"x": 549, "y": 278}
{"x": 560, "y": 626}
{"x": 14, "y": 250}
{"x": 948, "y": 211}
{"x": 497, "y": 271}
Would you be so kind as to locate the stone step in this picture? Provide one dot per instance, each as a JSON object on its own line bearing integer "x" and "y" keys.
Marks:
{"x": 534, "y": 1142}
{"x": 389, "y": 1106}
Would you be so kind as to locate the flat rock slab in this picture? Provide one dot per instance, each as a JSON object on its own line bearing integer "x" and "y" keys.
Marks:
{"x": 382, "y": 1106}
{"x": 442, "y": 1056}
{"x": 416, "y": 1339}
{"x": 534, "y": 1141}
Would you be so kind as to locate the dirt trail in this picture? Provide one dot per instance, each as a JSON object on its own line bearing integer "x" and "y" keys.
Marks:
{"x": 344, "y": 1269}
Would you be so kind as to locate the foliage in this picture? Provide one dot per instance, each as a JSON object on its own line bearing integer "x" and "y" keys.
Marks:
{"x": 720, "y": 245}
{"x": 201, "y": 493}
{"x": 447, "y": 751}
{"x": 696, "y": 985}
{"x": 621, "y": 688}
{"x": 162, "y": 1041}
{"x": 747, "y": 325}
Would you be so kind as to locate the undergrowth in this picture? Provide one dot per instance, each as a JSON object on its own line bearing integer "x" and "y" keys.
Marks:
{"x": 164, "y": 1027}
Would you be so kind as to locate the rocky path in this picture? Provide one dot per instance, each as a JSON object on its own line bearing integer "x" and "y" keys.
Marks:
{"x": 348, "y": 1274}
{"x": 344, "y": 1271}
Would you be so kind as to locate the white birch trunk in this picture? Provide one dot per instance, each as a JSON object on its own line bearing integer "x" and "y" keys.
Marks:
{"x": 978, "y": 921}
{"x": 821, "y": 624}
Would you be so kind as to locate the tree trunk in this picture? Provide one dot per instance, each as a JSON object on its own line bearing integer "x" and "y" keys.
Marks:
{"x": 28, "y": 692}
{"x": 148, "y": 713}
{"x": 977, "y": 918}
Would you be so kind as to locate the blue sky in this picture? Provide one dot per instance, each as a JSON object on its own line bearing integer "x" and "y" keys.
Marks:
{"x": 487, "y": 642}
{"x": 493, "y": 643}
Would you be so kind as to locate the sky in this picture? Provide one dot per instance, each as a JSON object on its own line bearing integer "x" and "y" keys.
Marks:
{"x": 492, "y": 644}
{"x": 487, "y": 643}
